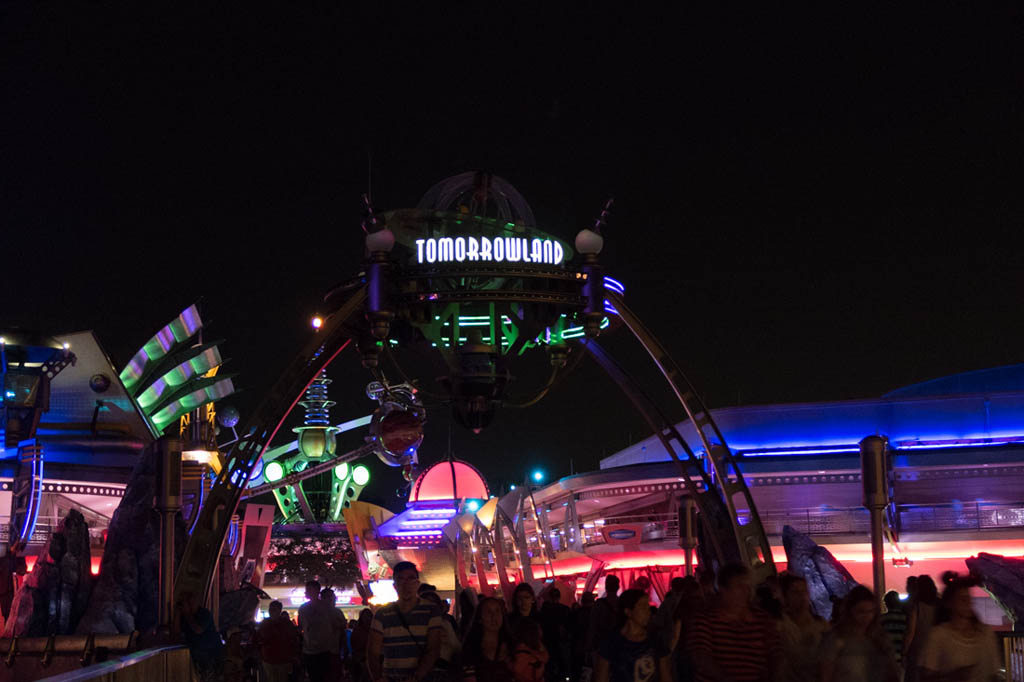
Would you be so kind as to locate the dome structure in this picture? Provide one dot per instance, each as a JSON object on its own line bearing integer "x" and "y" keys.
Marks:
{"x": 450, "y": 480}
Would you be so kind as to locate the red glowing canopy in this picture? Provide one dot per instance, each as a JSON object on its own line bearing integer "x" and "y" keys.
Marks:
{"x": 450, "y": 480}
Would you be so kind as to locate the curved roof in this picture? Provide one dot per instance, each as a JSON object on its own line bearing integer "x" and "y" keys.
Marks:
{"x": 1009, "y": 378}
{"x": 450, "y": 480}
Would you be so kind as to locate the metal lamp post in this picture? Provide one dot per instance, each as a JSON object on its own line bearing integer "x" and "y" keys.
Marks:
{"x": 872, "y": 466}
{"x": 168, "y": 503}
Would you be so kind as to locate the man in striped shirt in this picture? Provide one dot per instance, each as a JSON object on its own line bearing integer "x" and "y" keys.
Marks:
{"x": 732, "y": 641}
{"x": 405, "y": 636}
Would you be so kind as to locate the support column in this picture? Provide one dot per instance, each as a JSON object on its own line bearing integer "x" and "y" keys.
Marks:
{"x": 688, "y": 530}
{"x": 872, "y": 466}
{"x": 168, "y": 503}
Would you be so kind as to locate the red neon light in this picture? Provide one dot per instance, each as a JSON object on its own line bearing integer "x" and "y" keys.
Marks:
{"x": 436, "y": 483}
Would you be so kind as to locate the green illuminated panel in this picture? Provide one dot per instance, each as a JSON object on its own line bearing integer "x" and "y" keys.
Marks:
{"x": 208, "y": 390}
{"x": 202, "y": 361}
{"x": 177, "y": 331}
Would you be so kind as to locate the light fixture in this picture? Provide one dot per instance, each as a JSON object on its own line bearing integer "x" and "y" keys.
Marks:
{"x": 273, "y": 471}
{"x": 360, "y": 475}
{"x": 341, "y": 471}
{"x": 200, "y": 456}
{"x": 538, "y": 475}
{"x": 317, "y": 322}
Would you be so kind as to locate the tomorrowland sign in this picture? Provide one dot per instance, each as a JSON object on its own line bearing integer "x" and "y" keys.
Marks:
{"x": 483, "y": 249}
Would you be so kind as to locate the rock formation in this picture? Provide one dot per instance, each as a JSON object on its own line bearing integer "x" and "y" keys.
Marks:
{"x": 1003, "y": 578}
{"x": 56, "y": 592}
{"x": 127, "y": 593}
{"x": 826, "y": 577}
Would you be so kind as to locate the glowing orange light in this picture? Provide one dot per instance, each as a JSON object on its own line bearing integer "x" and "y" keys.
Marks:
{"x": 318, "y": 322}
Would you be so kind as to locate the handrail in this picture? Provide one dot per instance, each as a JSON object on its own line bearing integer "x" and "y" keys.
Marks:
{"x": 99, "y": 671}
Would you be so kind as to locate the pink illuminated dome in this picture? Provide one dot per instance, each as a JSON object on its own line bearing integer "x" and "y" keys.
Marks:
{"x": 450, "y": 480}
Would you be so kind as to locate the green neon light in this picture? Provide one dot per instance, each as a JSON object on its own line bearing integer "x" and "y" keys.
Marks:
{"x": 360, "y": 475}
{"x": 341, "y": 471}
{"x": 273, "y": 472}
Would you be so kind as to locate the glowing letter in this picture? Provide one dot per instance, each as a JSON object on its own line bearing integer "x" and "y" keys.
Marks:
{"x": 431, "y": 250}
{"x": 549, "y": 256}
{"x": 512, "y": 254}
{"x": 419, "y": 250}
{"x": 485, "y": 248}
{"x": 499, "y": 249}
{"x": 536, "y": 254}
{"x": 526, "y": 249}
{"x": 559, "y": 253}
{"x": 474, "y": 249}
{"x": 445, "y": 249}
{"x": 460, "y": 249}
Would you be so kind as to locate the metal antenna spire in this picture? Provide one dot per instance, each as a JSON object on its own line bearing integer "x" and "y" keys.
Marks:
{"x": 602, "y": 219}
{"x": 371, "y": 217}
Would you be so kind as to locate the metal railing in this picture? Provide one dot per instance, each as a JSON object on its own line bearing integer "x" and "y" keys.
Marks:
{"x": 45, "y": 526}
{"x": 160, "y": 664}
{"x": 1013, "y": 655}
{"x": 969, "y": 516}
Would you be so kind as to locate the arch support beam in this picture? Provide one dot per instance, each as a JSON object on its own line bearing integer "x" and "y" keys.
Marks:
{"x": 204, "y": 545}
{"x": 751, "y": 540}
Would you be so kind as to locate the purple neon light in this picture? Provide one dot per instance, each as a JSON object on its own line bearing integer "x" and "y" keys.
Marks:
{"x": 810, "y": 451}
{"x": 415, "y": 533}
{"x": 614, "y": 284}
{"x": 442, "y": 511}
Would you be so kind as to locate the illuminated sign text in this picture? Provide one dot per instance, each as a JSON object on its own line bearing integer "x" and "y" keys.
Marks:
{"x": 497, "y": 250}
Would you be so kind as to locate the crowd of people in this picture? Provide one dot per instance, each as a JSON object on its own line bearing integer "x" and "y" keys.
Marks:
{"x": 707, "y": 628}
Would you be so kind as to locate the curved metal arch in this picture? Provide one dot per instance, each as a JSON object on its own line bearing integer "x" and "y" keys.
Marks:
{"x": 204, "y": 545}
{"x": 752, "y": 542}
{"x": 714, "y": 513}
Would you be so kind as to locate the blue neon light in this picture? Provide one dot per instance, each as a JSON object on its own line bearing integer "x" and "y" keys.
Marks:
{"x": 35, "y": 493}
{"x": 614, "y": 284}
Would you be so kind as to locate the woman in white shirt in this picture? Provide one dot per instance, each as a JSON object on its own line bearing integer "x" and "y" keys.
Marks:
{"x": 960, "y": 648}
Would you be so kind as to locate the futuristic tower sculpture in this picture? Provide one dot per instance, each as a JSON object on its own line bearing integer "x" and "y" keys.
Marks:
{"x": 467, "y": 277}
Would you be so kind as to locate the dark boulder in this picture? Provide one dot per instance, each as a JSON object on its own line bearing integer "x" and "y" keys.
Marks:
{"x": 1003, "y": 578}
{"x": 126, "y": 596}
{"x": 826, "y": 577}
{"x": 56, "y": 592}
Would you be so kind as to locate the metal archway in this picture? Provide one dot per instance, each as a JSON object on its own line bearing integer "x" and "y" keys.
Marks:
{"x": 720, "y": 493}
{"x": 204, "y": 544}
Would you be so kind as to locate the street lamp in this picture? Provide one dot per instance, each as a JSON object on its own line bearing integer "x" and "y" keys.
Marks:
{"x": 538, "y": 475}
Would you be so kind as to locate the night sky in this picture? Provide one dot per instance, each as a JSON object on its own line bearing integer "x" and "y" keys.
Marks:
{"x": 807, "y": 207}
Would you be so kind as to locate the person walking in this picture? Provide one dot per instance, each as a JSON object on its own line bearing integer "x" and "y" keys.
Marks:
{"x": 631, "y": 653}
{"x": 524, "y": 605}
{"x": 554, "y": 623}
{"x": 529, "y": 657}
{"x": 800, "y": 630}
{"x": 960, "y": 647}
{"x": 319, "y": 634}
{"x": 857, "y": 649}
{"x": 894, "y": 623}
{"x": 920, "y": 619}
{"x": 338, "y": 626}
{"x": 732, "y": 641}
{"x": 485, "y": 650}
{"x": 405, "y": 636}
{"x": 204, "y": 642}
{"x": 579, "y": 628}
{"x": 278, "y": 642}
{"x": 602, "y": 622}
{"x": 360, "y": 640}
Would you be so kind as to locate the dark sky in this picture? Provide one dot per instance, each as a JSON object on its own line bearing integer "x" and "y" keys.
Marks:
{"x": 807, "y": 207}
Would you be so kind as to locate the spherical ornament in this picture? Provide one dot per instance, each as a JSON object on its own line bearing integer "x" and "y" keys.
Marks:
{"x": 99, "y": 383}
{"x": 315, "y": 443}
{"x": 375, "y": 390}
{"x": 401, "y": 432}
{"x": 589, "y": 242}
{"x": 410, "y": 473}
{"x": 381, "y": 240}
{"x": 228, "y": 416}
